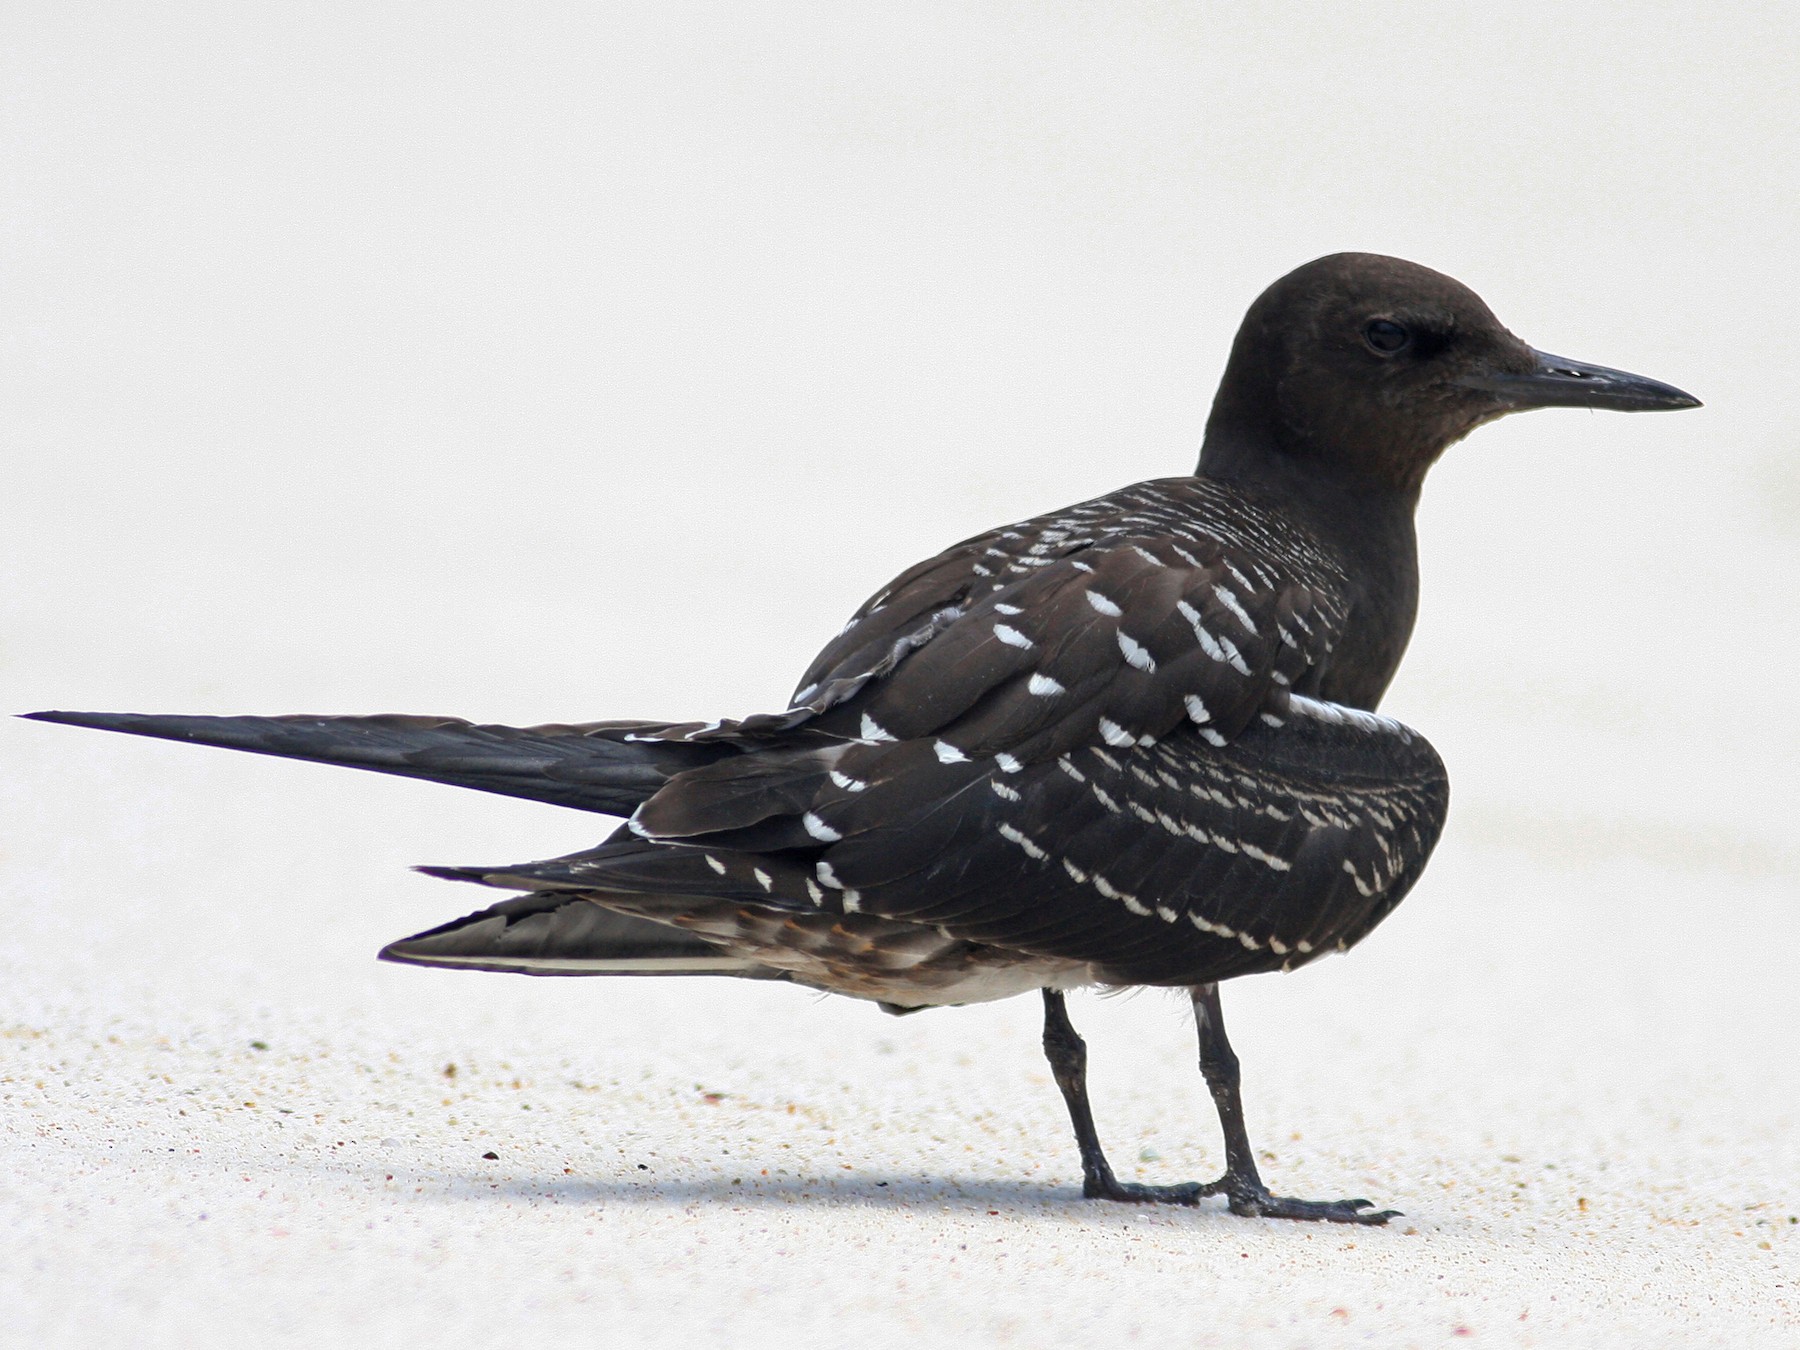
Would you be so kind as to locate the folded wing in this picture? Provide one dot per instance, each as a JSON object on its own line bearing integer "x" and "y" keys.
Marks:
{"x": 1173, "y": 863}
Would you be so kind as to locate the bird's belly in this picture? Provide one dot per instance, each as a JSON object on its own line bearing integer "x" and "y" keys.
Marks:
{"x": 889, "y": 961}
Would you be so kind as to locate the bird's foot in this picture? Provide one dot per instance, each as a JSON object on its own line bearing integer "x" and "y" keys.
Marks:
{"x": 1250, "y": 1201}
{"x": 1130, "y": 1192}
{"x": 1254, "y": 1201}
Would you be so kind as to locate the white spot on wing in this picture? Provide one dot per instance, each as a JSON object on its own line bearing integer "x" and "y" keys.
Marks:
{"x": 818, "y": 829}
{"x": 1320, "y": 711}
{"x": 1208, "y": 643}
{"x": 1136, "y": 653}
{"x": 1111, "y": 892}
{"x": 1197, "y": 709}
{"x": 1230, "y": 601}
{"x": 1012, "y": 637}
{"x": 1043, "y": 686}
{"x": 1232, "y": 656}
{"x": 949, "y": 754}
{"x": 1114, "y": 734}
{"x": 1007, "y": 763}
{"x": 1267, "y": 859}
{"x": 1105, "y": 606}
{"x": 1208, "y": 926}
{"x": 1018, "y": 837}
{"x": 873, "y": 730}
{"x": 715, "y": 864}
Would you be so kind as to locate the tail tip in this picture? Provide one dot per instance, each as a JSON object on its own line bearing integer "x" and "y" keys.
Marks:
{"x": 99, "y": 721}
{"x": 475, "y": 874}
{"x": 400, "y": 953}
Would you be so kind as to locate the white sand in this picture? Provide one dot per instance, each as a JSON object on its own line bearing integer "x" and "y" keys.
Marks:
{"x": 598, "y": 364}
{"x": 1592, "y": 1138}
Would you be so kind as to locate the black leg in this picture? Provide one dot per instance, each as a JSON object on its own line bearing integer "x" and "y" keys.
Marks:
{"x": 1067, "y": 1054}
{"x": 1241, "y": 1184}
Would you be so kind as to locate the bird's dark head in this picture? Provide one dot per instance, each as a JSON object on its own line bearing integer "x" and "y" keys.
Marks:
{"x": 1371, "y": 366}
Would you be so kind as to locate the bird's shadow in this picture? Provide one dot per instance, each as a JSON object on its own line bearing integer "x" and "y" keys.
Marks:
{"x": 951, "y": 1197}
{"x": 888, "y": 1191}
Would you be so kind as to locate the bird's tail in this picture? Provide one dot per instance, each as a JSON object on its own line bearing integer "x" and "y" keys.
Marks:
{"x": 608, "y": 767}
{"x": 560, "y": 933}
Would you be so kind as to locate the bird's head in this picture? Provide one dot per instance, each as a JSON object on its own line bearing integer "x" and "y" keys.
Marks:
{"x": 1373, "y": 366}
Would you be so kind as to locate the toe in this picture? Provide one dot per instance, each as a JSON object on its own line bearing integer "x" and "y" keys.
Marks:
{"x": 1318, "y": 1211}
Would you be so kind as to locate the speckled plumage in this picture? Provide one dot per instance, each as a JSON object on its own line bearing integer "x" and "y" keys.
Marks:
{"x": 1168, "y": 811}
{"x": 1131, "y": 742}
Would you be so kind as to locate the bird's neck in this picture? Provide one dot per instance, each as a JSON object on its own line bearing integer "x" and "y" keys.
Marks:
{"x": 1344, "y": 508}
{"x": 1366, "y": 525}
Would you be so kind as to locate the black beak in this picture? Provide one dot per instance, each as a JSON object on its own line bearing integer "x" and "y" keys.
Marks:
{"x": 1557, "y": 382}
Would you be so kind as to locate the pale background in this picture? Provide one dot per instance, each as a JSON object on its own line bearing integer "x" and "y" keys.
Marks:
{"x": 559, "y": 361}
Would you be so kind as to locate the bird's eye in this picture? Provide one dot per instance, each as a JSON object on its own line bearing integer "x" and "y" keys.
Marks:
{"x": 1387, "y": 337}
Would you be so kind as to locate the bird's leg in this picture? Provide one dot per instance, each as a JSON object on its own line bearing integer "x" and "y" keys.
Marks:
{"x": 1067, "y": 1054}
{"x": 1241, "y": 1185}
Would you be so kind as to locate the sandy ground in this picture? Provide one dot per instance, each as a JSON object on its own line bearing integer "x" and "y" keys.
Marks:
{"x": 598, "y": 364}
{"x": 1590, "y": 1130}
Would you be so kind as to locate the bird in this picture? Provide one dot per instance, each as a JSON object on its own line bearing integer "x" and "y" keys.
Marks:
{"x": 1132, "y": 742}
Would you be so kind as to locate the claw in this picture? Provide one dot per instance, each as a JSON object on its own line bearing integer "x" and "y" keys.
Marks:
{"x": 1262, "y": 1204}
{"x": 1242, "y": 1201}
{"x": 1329, "y": 1212}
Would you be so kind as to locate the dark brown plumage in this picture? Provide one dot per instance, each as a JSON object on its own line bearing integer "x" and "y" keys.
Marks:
{"x": 1127, "y": 743}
